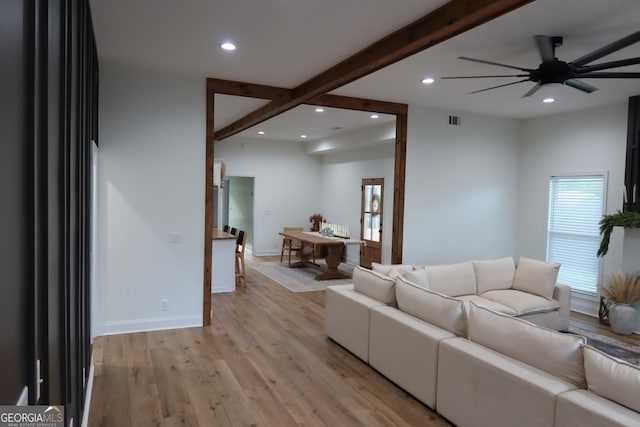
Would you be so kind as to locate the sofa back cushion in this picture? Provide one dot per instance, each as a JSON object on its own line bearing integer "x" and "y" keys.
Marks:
{"x": 452, "y": 279}
{"x": 418, "y": 277}
{"x": 374, "y": 285}
{"x": 391, "y": 270}
{"x": 612, "y": 379}
{"x": 536, "y": 277}
{"x": 439, "y": 310}
{"x": 494, "y": 274}
{"x": 554, "y": 352}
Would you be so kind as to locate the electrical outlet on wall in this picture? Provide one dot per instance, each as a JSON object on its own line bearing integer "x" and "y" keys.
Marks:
{"x": 164, "y": 304}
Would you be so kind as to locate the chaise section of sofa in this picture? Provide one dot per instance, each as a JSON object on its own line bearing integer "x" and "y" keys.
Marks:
{"x": 529, "y": 291}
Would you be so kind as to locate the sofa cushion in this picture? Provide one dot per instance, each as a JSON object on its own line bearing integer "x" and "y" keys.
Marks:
{"x": 612, "y": 378}
{"x": 439, "y": 310}
{"x": 418, "y": 277}
{"x": 391, "y": 270}
{"x": 521, "y": 302}
{"x": 536, "y": 277}
{"x": 583, "y": 408}
{"x": 374, "y": 285}
{"x": 556, "y": 353}
{"x": 453, "y": 279}
{"x": 494, "y": 274}
{"x": 483, "y": 302}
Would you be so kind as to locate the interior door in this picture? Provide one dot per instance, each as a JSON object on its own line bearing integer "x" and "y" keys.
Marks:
{"x": 371, "y": 221}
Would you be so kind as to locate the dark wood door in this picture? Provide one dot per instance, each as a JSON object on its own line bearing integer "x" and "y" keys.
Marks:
{"x": 371, "y": 221}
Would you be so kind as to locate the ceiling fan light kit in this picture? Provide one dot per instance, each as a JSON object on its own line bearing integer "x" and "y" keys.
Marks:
{"x": 554, "y": 71}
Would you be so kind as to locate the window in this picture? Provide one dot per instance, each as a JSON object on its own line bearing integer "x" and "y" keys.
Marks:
{"x": 576, "y": 205}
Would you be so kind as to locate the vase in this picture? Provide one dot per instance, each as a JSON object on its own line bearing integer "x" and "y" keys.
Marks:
{"x": 622, "y": 318}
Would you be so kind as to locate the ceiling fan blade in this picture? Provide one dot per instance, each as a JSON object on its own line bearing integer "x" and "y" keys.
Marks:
{"x": 610, "y": 48}
{"x": 546, "y": 48}
{"x": 483, "y": 77}
{"x": 611, "y": 75}
{"x": 608, "y": 65}
{"x": 496, "y": 87}
{"x": 577, "y": 84}
{"x": 532, "y": 90}
{"x": 482, "y": 61}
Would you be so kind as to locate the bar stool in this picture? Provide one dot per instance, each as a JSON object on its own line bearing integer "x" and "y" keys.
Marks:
{"x": 240, "y": 247}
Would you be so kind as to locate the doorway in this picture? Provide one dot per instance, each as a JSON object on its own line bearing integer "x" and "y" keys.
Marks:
{"x": 238, "y": 205}
{"x": 371, "y": 221}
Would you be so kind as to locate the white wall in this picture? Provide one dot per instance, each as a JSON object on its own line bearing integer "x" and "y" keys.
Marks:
{"x": 150, "y": 183}
{"x": 461, "y": 194}
{"x": 286, "y": 189}
{"x": 580, "y": 142}
{"x": 341, "y": 177}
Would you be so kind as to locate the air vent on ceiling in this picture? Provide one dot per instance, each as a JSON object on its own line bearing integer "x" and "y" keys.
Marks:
{"x": 454, "y": 120}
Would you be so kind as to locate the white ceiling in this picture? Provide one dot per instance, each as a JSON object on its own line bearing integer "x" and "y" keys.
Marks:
{"x": 285, "y": 42}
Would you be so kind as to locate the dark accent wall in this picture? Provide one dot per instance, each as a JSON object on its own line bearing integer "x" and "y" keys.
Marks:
{"x": 632, "y": 170}
{"x": 48, "y": 117}
{"x": 16, "y": 210}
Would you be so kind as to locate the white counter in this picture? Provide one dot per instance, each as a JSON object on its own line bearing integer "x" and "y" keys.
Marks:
{"x": 223, "y": 271}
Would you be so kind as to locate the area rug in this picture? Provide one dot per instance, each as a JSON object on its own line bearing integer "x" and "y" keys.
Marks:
{"x": 297, "y": 279}
{"x": 616, "y": 348}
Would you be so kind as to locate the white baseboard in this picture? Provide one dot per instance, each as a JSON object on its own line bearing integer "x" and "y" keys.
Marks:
{"x": 23, "y": 400}
{"x": 585, "y": 304}
{"x": 152, "y": 324}
{"x": 269, "y": 252}
{"x": 87, "y": 397}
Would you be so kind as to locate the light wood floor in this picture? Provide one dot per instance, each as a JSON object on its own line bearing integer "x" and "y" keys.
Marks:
{"x": 265, "y": 361}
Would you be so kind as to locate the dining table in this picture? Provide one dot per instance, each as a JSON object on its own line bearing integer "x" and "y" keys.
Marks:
{"x": 309, "y": 241}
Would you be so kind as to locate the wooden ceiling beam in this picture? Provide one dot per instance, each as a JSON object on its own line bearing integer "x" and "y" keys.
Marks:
{"x": 251, "y": 90}
{"x": 449, "y": 20}
{"x": 360, "y": 104}
{"x": 278, "y": 94}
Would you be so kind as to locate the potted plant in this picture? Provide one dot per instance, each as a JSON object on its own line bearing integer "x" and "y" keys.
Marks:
{"x": 618, "y": 219}
{"x": 621, "y": 291}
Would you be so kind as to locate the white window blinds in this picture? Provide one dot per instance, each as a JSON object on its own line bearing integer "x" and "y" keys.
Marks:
{"x": 576, "y": 205}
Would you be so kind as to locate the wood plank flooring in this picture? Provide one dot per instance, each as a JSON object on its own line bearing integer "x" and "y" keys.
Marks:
{"x": 264, "y": 361}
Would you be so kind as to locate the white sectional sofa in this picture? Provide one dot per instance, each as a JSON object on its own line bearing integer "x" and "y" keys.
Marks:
{"x": 475, "y": 365}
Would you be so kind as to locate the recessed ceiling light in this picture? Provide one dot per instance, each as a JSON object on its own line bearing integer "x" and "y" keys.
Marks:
{"x": 303, "y": 136}
{"x": 374, "y": 116}
{"x": 548, "y": 100}
{"x": 261, "y": 132}
{"x": 319, "y": 110}
{"x": 428, "y": 80}
{"x": 228, "y": 46}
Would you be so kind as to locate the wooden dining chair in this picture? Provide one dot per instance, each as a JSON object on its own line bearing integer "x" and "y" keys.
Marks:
{"x": 241, "y": 242}
{"x": 291, "y": 245}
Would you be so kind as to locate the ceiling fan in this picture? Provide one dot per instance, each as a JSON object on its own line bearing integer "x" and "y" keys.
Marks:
{"x": 553, "y": 70}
